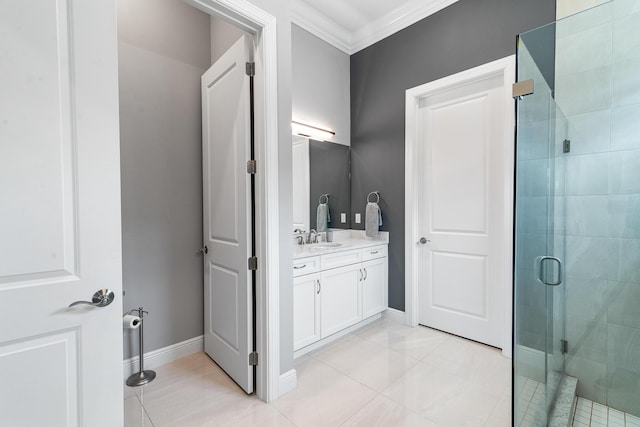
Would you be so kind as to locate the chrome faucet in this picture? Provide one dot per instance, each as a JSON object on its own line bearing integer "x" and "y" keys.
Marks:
{"x": 299, "y": 236}
{"x": 313, "y": 236}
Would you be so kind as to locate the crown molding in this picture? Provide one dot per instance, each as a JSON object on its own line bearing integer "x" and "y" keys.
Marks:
{"x": 396, "y": 20}
{"x": 318, "y": 24}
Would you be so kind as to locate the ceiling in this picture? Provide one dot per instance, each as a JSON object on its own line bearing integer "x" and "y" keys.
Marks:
{"x": 352, "y": 25}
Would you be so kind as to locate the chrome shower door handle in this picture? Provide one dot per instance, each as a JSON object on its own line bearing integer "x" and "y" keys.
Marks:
{"x": 101, "y": 298}
{"x": 541, "y": 263}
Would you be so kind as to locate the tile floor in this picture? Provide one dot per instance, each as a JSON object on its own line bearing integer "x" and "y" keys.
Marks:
{"x": 384, "y": 375}
{"x": 594, "y": 414}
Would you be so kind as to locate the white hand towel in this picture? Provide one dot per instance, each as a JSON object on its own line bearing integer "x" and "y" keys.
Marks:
{"x": 373, "y": 219}
{"x": 322, "y": 217}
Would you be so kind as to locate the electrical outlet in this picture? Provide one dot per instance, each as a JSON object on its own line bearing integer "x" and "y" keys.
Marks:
{"x": 343, "y": 218}
{"x": 358, "y": 219}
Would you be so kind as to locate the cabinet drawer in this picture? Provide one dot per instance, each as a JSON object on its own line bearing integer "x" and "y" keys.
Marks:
{"x": 338, "y": 259}
{"x": 374, "y": 252}
{"x": 306, "y": 265}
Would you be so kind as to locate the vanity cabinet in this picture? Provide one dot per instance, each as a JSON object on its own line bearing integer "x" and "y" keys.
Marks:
{"x": 306, "y": 303}
{"x": 374, "y": 287}
{"x": 340, "y": 295}
{"x": 334, "y": 291}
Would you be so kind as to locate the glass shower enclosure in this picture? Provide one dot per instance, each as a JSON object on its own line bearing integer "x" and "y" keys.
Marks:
{"x": 577, "y": 227}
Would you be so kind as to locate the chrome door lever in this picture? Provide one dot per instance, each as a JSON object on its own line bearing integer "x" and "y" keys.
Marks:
{"x": 424, "y": 241}
{"x": 101, "y": 298}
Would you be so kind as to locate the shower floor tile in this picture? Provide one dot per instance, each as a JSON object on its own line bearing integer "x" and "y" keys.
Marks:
{"x": 593, "y": 414}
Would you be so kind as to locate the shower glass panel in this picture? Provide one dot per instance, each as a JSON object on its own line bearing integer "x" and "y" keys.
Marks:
{"x": 578, "y": 203}
{"x": 539, "y": 291}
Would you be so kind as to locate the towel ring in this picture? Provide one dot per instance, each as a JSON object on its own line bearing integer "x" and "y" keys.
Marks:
{"x": 326, "y": 196}
{"x": 375, "y": 193}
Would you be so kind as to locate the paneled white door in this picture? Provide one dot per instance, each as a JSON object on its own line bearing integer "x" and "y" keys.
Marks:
{"x": 228, "y": 309}
{"x": 462, "y": 209}
{"x": 59, "y": 215}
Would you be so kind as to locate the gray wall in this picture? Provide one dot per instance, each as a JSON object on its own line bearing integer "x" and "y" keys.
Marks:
{"x": 321, "y": 80}
{"x": 464, "y": 35}
{"x": 163, "y": 50}
{"x": 223, "y": 36}
{"x": 155, "y": 255}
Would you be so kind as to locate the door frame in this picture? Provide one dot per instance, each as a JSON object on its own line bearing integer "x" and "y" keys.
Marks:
{"x": 505, "y": 68}
{"x": 262, "y": 25}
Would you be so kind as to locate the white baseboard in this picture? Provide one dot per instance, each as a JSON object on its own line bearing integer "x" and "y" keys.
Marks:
{"x": 162, "y": 356}
{"x": 331, "y": 338}
{"x": 288, "y": 382}
{"x": 393, "y": 315}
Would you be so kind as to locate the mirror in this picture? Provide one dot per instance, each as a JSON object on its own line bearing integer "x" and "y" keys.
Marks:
{"x": 320, "y": 167}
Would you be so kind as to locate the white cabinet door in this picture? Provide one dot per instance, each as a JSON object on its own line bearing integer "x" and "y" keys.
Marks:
{"x": 374, "y": 287}
{"x": 306, "y": 310}
{"x": 340, "y": 299}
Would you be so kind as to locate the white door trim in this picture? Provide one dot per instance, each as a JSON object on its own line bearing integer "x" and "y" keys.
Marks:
{"x": 263, "y": 26}
{"x": 504, "y": 67}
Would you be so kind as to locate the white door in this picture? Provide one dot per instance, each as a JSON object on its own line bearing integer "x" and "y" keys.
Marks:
{"x": 59, "y": 215}
{"x": 462, "y": 210}
{"x": 228, "y": 310}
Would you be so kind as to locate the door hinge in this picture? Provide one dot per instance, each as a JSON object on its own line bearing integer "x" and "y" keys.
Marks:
{"x": 566, "y": 146}
{"x": 564, "y": 346}
{"x": 251, "y": 68}
{"x": 523, "y": 88}
{"x": 253, "y": 359}
{"x": 252, "y": 166}
{"x": 253, "y": 263}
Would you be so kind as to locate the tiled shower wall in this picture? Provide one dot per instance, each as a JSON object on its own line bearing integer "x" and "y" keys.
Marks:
{"x": 597, "y": 199}
{"x": 565, "y": 8}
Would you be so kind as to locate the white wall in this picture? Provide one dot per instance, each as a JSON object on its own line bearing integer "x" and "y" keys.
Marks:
{"x": 321, "y": 84}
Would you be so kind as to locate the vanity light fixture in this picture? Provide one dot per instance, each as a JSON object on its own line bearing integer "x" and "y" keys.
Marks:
{"x": 310, "y": 131}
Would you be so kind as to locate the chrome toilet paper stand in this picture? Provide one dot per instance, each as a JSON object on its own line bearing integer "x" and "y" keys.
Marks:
{"x": 141, "y": 377}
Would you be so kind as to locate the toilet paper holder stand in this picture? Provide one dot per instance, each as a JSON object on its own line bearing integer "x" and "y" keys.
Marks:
{"x": 141, "y": 377}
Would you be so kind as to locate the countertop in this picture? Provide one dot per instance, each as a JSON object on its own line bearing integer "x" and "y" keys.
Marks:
{"x": 343, "y": 240}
